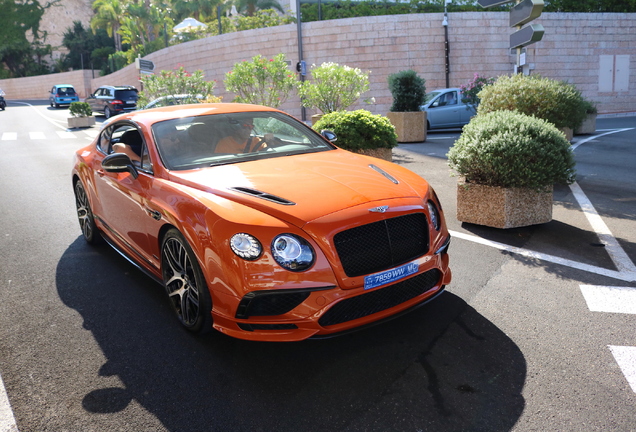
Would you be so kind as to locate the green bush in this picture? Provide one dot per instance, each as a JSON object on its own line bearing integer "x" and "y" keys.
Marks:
{"x": 333, "y": 87}
{"x": 175, "y": 82}
{"x": 408, "y": 90}
{"x": 359, "y": 130}
{"x": 510, "y": 149}
{"x": 558, "y": 102}
{"x": 80, "y": 109}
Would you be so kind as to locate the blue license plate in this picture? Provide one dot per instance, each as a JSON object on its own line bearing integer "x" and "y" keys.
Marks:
{"x": 390, "y": 276}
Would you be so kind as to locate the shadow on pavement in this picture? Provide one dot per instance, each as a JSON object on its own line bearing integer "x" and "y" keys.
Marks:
{"x": 443, "y": 367}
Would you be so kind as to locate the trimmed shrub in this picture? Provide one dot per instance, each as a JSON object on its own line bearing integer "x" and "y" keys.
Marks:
{"x": 558, "y": 102}
{"x": 408, "y": 90}
{"x": 510, "y": 149}
{"x": 80, "y": 109}
{"x": 359, "y": 130}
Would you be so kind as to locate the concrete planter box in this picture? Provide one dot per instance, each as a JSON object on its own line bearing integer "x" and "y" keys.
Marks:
{"x": 409, "y": 126}
{"x": 79, "y": 122}
{"x": 588, "y": 126}
{"x": 569, "y": 133}
{"x": 499, "y": 207}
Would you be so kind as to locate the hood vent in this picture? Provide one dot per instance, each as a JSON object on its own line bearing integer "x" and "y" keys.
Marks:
{"x": 262, "y": 195}
{"x": 384, "y": 173}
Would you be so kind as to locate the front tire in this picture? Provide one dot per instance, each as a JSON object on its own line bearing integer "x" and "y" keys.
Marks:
{"x": 185, "y": 284}
{"x": 85, "y": 215}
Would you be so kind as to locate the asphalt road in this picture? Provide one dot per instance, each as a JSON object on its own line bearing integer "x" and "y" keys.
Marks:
{"x": 88, "y": 343}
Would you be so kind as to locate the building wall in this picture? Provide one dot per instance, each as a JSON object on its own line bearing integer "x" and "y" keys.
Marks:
{"x": 596, "y": 52}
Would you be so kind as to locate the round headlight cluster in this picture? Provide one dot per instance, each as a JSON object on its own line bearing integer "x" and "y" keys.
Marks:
{"x": 246, "y": 246}
{"x": 292, "y": 252}
{"x": 434, "y": 214}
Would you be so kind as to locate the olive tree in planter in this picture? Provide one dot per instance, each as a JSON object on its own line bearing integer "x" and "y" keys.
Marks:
{"x": 333, "y": 87}
{"x": 558, "y": 102}
{"x": 360, "y": 132}
{"x": 508, "y": 163}
{"x": 409, "y": 93}
{"x": 82, "y": 115}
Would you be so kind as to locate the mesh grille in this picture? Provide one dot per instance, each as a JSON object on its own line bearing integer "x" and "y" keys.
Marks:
{"x": 380, "y": 299}
{"x": 382, "y": 245}
{"x": 270, "y": 304}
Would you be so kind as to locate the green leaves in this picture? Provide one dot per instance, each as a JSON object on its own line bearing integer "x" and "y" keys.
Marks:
{"x": 261, "y": 81}
{"x": 408, "y": 90}
{"x": 80, "y": 109}
{"x": 510, "y": 149}
{"x": 333, "y": 87}
{"x": 359, "y": 130}
{"x": 175, "y": 82}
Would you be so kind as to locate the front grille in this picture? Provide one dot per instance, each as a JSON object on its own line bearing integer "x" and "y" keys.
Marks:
{"x": 253, "y": 327}
{"x": 381, "y": 299}
{"x": 382, "y": 245}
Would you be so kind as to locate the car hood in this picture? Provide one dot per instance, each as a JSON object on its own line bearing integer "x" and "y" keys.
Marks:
{"x": 302, "y": 188}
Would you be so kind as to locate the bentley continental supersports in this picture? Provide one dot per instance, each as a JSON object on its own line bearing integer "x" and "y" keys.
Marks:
{"x": 258, "y": 226}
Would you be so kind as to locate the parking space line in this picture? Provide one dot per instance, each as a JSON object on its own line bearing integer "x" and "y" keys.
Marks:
{"x": 610, "y": 299}
{"x": 625, "y": 356}
{"x": 7, "y": 420}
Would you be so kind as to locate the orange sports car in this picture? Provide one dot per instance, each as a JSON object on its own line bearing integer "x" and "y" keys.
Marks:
{"x": 258, "y": 226}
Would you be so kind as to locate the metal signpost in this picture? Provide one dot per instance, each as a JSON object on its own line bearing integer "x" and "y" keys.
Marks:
{"x": 522, "y": 13}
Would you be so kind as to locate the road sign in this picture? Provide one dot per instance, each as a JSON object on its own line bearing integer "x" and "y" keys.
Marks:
{"x": 144, "y": 65}
{"x": 525, "y": 12}
{"x": 491, "y": 3}
{"x": 526, "y": 36}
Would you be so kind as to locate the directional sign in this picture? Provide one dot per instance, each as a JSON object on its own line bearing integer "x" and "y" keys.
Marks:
{"x": 491, "y": 3}
{"x": 526, "y": 36}
{"x": 144, "y": 65}
{"x": 525, "y": 12}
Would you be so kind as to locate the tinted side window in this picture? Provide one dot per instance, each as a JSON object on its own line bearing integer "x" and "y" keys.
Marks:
{"x": 126, "y": 94}
{"x": 104, "y": 141}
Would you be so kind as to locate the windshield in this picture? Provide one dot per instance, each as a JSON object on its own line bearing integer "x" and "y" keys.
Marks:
{"x": 431, "y": 95}
{"x": 196, "y": 142}
{"x": 66, "y": 91}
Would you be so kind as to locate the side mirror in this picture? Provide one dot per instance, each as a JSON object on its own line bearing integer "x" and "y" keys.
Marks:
{"x": 329, "y": 135}
{"x": 119, "y": 162}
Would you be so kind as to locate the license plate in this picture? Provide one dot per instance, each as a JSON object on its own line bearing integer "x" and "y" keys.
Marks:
{"x": 389, "y": 276}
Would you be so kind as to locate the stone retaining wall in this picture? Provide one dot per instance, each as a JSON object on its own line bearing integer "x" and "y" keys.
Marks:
{"x": 594, "y": 51}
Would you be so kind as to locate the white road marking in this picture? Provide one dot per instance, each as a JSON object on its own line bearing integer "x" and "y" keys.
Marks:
{"x": 9, "y": 136}
{"x": 37, "y": 135}
{"x": 92, "y": 133}
{"x": 628, "y": 277}
{"x": 625, "y": 356}
{"x": 7, "y": 420}
{"x": 66, "y": 134}
{"x": 610, "y": 299}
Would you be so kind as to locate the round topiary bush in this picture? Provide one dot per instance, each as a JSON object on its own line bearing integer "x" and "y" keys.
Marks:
{"x": 558, "y": 102}
{"x": 80, "y": 109}
{"x": 359, "y": 130}
{"x": 510, "y": 149}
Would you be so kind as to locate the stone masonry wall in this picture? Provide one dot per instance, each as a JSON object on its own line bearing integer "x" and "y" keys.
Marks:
{"x": 572, "y": 49}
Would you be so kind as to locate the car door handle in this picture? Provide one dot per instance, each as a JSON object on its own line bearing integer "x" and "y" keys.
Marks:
{"x": 154, "y": 214}
{"x": 100, "y": 173}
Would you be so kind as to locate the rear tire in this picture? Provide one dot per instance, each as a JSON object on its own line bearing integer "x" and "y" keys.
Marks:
{"x": 185, "y": 284}
{"x": 107, "y": 112}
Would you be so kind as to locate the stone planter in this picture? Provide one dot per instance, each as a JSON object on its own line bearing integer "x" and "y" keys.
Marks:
{"x": 78, "y": 122}
{"x": 315, "y": 118}
{"x": 380, "y": 153}
{"x": 499, "y": 207}
{"x": 588, "y": 126}
{"x": 569, "y": 133}
{"x": 409, "y": 126}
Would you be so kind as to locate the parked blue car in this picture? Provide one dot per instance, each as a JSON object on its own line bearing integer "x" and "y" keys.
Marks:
{"x": 445, "y": 109}
{"x": 62, "y": 94}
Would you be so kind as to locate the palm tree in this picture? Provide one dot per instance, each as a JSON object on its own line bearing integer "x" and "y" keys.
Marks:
{"x": 108, "y": 16}
{"x": 248, "y": 7}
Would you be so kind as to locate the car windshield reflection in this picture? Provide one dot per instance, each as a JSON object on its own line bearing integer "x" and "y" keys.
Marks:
{"x": 200, "y": 141}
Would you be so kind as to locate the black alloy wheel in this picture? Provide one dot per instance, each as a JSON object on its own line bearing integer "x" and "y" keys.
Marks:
{"x": 85, "y": 215}
{"x": 185, "y": 284}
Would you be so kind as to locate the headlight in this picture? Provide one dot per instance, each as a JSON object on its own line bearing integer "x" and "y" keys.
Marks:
{"x": 246, "y": 246}
{"x": 292, "y": 252}
{"x": 432, "y": 210}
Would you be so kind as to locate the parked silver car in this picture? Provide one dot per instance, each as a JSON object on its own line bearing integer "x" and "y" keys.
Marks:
{"x": 445, "y": 109}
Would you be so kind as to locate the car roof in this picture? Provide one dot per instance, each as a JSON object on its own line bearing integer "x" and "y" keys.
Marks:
{"x": 63, "y": 85}
{"x": 446, "y": 89}
{"x": 154, "y": 115}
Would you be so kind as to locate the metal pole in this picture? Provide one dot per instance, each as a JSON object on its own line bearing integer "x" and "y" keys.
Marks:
{"x": 446, "y": 44}
{"x": 303, "y": 114}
